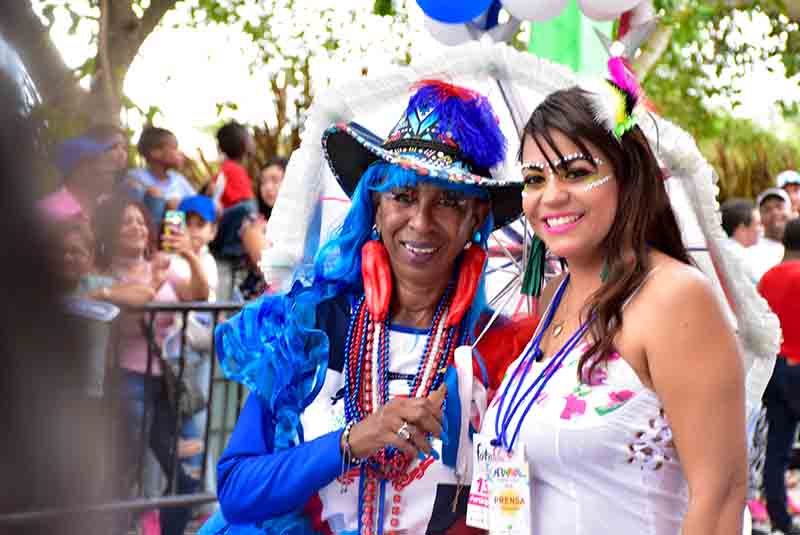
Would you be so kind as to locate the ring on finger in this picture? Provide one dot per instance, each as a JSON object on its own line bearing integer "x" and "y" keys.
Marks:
{"x": 403, "y": 432}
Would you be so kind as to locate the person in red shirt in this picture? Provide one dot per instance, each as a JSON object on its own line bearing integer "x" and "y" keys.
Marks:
{"x": 234, "y": 184}
{"x": 235, "y": 198}
{"x": 780, "y": 286}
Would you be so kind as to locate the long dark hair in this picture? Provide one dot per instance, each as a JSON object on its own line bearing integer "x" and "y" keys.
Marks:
{"x": 644, "y": 218}
{"x": 107, "y": 224}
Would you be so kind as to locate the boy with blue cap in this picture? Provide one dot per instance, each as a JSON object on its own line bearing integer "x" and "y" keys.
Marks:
{"x": 192, "y": 246}
{"x": 201, "y": 227}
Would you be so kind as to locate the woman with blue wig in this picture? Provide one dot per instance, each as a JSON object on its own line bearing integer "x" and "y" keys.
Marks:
{"x": 360, "y": 419}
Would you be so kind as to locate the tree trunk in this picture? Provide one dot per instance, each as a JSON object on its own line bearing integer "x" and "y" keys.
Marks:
{"x": 120, "y": 35}
{"x": 652, "y": 50}
{"x": 56, "y": 82}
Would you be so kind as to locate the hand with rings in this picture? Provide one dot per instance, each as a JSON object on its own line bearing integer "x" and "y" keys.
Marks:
{"x": 403, "y": 423}
{"x": 405, "y": 431}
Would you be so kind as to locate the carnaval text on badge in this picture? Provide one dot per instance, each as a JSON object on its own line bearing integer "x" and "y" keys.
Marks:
{"x": 509, "y": 498}
{"x": 485, "y": 457}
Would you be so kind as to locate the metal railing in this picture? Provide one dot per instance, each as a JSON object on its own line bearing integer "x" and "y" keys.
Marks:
{"x": 223, "y": 404}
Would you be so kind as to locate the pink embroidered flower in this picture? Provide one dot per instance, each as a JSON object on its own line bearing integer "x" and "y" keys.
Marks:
{"x": 620, "y": 396}
{"x": 615, "y": 401}
{"x": 573, "y": 407}
{"x": 598, "y": 375}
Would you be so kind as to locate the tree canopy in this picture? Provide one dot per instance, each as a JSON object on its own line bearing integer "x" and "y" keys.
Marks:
{"x": 703, "y": 80}
{"x": 697, "y": 68}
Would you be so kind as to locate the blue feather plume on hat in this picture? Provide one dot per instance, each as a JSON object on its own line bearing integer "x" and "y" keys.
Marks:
{"x": 467, "y": 116}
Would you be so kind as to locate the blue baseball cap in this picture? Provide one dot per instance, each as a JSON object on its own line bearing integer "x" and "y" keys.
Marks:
{"x": 454, "y": 12}
{"x": 73, "y": 150}
{"x": 200, "y": 205}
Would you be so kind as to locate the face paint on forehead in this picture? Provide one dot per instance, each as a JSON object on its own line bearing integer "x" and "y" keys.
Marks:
{"x": 546, "y": 167}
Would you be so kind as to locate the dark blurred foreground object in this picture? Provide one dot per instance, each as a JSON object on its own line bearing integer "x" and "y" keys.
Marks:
{"x": 54, "y": 444}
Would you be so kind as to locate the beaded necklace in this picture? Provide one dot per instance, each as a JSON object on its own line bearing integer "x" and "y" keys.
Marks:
{"x": 366, "y": 389}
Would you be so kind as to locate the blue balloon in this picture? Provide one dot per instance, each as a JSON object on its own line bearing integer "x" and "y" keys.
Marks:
{"x": 454, "y": 11}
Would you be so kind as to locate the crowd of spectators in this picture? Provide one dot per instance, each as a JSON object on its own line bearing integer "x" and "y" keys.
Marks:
{"x": 766, "y": 235}
{"x": 133, "y": 236}
{"x": 137, "y": 235}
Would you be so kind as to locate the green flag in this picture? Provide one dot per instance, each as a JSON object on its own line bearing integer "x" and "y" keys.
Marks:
{"x": 569, "y": 39}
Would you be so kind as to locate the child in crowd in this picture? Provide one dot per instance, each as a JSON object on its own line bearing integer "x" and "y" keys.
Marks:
{"x": 234, "y": 197}
{"x": 159, "y": 185}
{"x": 201, "y": 228}
{"x": 233, "y": 184}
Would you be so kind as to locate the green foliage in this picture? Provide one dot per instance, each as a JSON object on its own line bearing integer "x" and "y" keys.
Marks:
{"x": 708, "y": 51}
{"x": 294, "y": 38}
{"x": 223, "y": 107}
{"x": 696, "y": 83}
{"x": 384, "y": 8}
{"x": 148, "y": 115}
{"x": 747, "y": 158}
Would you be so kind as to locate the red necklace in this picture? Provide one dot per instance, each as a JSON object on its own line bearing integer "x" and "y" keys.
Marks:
{"x": 367, "y": 368}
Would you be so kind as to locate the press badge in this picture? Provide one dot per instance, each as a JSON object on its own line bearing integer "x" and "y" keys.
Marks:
{"x": 509, "y": 498}
{"x": 484, "y": 509}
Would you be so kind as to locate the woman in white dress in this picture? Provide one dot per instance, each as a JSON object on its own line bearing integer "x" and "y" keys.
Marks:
{"x": 629, "y": 401}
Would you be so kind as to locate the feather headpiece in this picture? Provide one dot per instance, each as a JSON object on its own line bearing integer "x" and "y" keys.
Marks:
{"x": 618, "y": 101}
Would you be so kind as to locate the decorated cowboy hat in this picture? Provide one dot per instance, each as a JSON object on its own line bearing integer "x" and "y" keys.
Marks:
{"x": 447, "y": 133}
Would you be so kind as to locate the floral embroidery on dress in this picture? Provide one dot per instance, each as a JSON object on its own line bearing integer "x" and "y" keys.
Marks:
{"x": 654, "y": 446}
{"x": 615, "y": 400}
{"x": 599, "y": 374}
{"x": 573, "y": 407}
{"x": 598, "y": 377}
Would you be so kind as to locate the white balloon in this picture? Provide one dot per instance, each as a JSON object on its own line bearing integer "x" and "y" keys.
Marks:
{"x": 535, "y": 10}
{"x": 447, "y": 34}
{"x": 606, "y": 9}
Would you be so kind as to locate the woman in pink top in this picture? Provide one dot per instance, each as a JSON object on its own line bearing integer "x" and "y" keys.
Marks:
{"x": 126, "y": 253}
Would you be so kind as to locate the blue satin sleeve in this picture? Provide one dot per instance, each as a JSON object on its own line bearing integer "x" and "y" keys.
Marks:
{"x": 256, "y": 483}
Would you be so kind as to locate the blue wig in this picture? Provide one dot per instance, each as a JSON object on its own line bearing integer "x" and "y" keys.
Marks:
{"x": 273, "y": 345}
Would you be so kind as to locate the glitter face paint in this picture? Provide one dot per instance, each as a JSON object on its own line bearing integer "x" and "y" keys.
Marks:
{"x": 596, "y": 184}
{"x": 536, "y": 174}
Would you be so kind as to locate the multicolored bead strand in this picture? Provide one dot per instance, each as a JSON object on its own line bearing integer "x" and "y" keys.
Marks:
{"x": 367, "y": 389}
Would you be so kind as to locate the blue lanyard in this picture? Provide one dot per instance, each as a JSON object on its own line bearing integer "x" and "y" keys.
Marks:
{"x": 541, "y": 380}
{"x": 527, "y": 359}
{"x": 548, "y": 373}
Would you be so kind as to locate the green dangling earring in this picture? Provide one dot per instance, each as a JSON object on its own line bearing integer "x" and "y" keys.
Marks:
{"x": 604, "y": 271}
{"x": 533, "y": 279}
